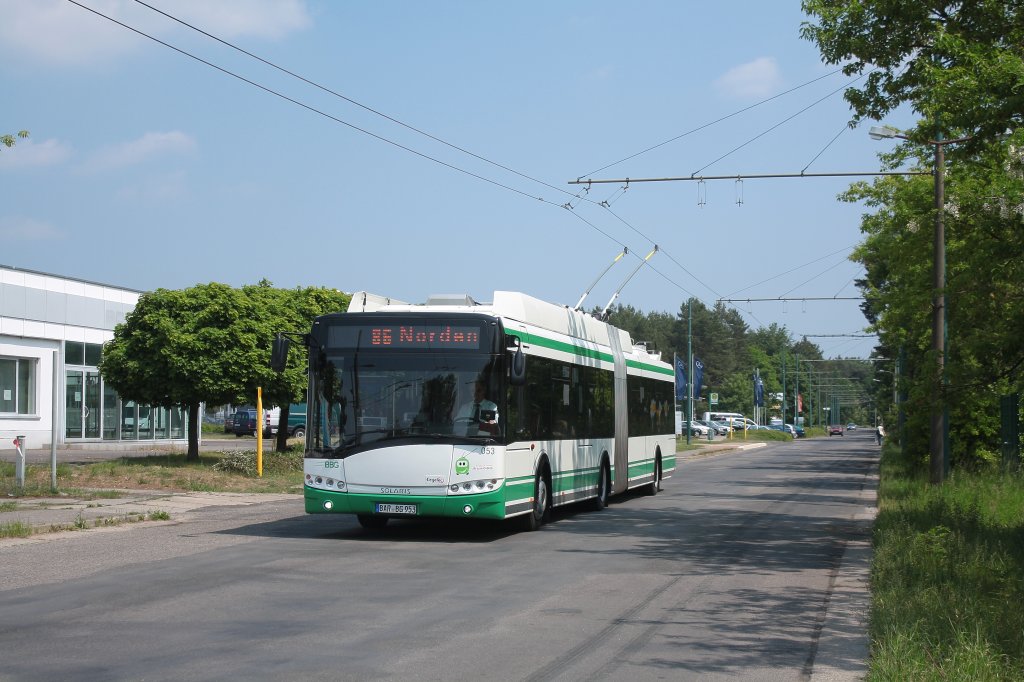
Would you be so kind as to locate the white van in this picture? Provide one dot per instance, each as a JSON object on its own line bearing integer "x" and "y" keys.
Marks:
{"x": 735, "y": 419}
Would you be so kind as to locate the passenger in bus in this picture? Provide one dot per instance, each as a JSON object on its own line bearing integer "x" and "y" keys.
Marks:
{"x": 478, "y": 416}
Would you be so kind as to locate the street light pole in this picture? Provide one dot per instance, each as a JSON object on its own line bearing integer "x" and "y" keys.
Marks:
{"x": 938, "y": 435}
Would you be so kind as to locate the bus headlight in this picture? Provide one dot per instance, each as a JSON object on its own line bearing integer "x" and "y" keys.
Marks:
{"x": 472, "y": 487}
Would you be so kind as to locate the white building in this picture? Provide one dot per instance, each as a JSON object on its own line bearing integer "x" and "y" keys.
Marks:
{"x": 52, "y": 331}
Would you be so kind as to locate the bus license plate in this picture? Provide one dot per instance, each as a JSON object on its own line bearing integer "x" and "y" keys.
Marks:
{"x": 396, "y": 508}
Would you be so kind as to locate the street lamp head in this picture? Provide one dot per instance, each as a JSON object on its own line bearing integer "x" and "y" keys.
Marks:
{"x": 882, "y": 133}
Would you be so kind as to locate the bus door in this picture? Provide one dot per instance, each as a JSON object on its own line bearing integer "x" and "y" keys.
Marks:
{"x": 621, "y": 458}
{"x": 519, "y": 450}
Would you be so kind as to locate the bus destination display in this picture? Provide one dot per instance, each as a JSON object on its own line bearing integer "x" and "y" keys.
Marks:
{"x": 408, "y": 336}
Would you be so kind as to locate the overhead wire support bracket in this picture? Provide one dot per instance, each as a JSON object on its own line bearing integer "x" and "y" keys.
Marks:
{"x": 795, "y": 298}
{"x": 604, "y": 313}
{"x": 756, "y": 176}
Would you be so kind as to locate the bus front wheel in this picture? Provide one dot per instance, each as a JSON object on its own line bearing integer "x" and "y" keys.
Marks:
{"x": 655, "y": 485}
{"x": 541, "y": 511}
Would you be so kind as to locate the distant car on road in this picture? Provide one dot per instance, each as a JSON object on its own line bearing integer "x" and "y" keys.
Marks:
{"x": 835, "y": 429}
{"x": 851, "y": 427}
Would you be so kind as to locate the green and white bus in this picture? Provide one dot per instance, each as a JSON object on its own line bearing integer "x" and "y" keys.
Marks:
{"x": 572, "y": 410}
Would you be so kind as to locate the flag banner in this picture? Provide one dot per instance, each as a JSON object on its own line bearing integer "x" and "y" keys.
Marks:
{"x": 680, "y": 380}
{"x": 799, "y": 403}
{"x": 698, "y": 377}
{"x": 758, "y": 392}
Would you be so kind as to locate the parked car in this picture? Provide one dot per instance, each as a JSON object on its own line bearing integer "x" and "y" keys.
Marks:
{"x": 244, "y": 422}
{"x": 724, "y": 426}
{"x": 834, "y": 430}
{"x": 696, "y": 428}
{"x": 785, "y": 428}
{"x": 229, "y": 423}
{"x": 715, "y": 427}
{"x": 799, "y": 431}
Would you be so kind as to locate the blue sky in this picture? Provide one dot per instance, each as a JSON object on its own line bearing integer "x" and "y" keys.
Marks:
{"x": 146, "y": 168}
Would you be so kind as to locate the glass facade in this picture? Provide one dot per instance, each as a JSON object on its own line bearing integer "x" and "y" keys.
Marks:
{"x": 17, "y": 386}
{"x": 94, "y": 411}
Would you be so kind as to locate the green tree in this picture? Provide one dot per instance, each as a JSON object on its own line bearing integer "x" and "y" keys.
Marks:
{"x": 984, "y": 292}
{"x": 954, "y": 61}
{"x": 290, "y": 310}
{"x": 186, "y": 347}
{"x": 9, "y": 140}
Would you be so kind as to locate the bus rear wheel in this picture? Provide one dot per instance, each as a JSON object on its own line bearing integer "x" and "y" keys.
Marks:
{"x": 541, "y": 511}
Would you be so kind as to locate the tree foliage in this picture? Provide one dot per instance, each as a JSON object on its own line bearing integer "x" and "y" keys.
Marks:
{"x": 959, "y": 64}
{"x": 731, "y": 352}
{"x": 210, "y": 343}
{"x": 984, "y": 291}
{"x": 9, "y": 140}
{"x": 185, "y": 347}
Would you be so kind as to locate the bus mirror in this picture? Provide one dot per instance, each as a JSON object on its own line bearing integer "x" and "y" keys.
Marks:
{"x": 517, "y": 372}
{"x": 279, "y": 353}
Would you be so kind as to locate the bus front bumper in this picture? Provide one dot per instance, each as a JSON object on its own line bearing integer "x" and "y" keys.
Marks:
{"x": 488, "y": 505}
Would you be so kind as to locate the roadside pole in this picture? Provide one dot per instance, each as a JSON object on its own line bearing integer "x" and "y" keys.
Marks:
{"x": 259, "y": 431}
{"x": 19, "y": 462}
{"x": 53, "y": 426}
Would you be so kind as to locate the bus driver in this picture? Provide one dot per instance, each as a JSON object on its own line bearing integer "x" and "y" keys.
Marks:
{"x": 478, "y": 416}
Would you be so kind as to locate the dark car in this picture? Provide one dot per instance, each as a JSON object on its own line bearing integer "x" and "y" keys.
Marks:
{"x": 244, "y": 423}
{"x": 835, "y": 429}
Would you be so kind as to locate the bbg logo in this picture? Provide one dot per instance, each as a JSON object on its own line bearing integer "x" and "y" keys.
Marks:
{"x": 462, "y": 466}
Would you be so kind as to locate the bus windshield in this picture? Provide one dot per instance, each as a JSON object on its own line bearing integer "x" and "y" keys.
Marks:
{"x": 364, "y": 398}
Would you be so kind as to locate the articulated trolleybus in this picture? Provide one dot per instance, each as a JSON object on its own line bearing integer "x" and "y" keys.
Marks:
{"x": 479, "y": 410}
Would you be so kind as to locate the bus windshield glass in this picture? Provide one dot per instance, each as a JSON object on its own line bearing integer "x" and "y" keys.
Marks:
{"x": 375, "y": 383}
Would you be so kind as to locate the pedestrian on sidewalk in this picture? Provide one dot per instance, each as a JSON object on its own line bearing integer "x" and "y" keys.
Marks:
{"x": 879, "y": 434}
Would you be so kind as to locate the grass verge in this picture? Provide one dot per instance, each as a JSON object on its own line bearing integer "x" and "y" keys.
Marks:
{"x": 229, "y": 471}
{"x": 948, "y": 575}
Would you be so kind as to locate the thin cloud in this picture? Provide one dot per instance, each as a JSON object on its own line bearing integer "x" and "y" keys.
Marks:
{"x": 759, "y": 78}
{"x": 26, "y": 229}
{"x": 147, "y": 147}
{"x": 159, "y": 189}
{"x": 271, "y": 19}
{"x": 28, "y": 154}
{"x": 58, "y": 33}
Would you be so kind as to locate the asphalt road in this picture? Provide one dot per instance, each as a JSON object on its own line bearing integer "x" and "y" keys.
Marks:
{"x": 729, "y": 573}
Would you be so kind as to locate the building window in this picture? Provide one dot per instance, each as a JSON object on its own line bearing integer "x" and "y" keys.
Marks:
{"x": 77, "y": 353}
{"x": 17, "y": 386}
